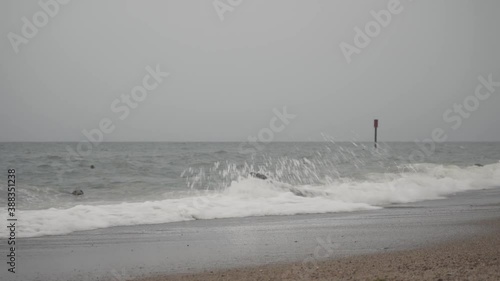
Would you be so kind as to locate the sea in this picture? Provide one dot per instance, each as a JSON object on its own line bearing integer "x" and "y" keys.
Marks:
{"x": 127, "y": 184}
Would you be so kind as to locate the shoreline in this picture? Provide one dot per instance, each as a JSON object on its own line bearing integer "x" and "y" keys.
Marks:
{"x": 474, "y": 258}
{"x": 194, "y": 247}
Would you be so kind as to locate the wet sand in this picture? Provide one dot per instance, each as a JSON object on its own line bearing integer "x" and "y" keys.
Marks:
{"x": 274, "y": 244}
{"x": 476, "y": 258}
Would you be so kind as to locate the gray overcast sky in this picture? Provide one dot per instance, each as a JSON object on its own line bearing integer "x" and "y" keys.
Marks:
{"x": 227, "y": 76}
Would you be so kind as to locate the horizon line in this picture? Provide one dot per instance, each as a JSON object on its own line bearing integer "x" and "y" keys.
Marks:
{"x": 230, "y": 141}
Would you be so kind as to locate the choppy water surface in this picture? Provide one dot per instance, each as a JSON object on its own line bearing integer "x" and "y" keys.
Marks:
{"x": 147, "y": 183}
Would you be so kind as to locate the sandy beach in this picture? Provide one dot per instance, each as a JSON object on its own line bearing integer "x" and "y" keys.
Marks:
{"x": 476, "y": 258}
{"x": 399, "y": 242}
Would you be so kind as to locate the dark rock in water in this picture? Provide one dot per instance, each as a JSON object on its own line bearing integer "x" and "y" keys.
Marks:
{"x": 297, "y": 192}
{"x": 78, "y": 192}
{"x": 92, "y": 167}
{"x": 479, "y": 165}
{"x": 258, "y": 175}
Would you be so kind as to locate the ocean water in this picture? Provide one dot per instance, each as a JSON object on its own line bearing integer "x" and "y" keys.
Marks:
{"x": 152, "y": 183}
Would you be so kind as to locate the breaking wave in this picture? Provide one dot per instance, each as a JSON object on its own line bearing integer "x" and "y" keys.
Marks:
{"x": 243, "y": 196}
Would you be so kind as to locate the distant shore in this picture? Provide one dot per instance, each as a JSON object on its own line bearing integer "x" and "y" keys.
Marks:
{"x": 475, "y": 258}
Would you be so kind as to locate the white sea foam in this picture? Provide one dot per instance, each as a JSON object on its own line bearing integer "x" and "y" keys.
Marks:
{"x": 253, "y": 197}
